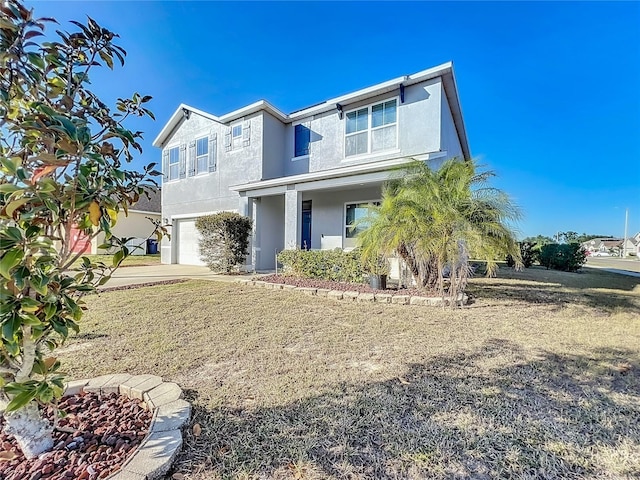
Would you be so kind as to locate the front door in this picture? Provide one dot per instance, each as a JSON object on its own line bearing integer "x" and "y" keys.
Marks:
{"x": 305, "y": 238}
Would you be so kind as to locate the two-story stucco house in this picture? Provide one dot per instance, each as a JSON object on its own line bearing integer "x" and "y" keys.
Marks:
{"x": 304, "y": 177}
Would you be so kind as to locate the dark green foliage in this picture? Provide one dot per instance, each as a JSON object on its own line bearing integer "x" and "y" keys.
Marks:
{"x": 568, "y": 257}
{"x": 225, "y": 240}
{"x": 63, "y": 165}
{"x": 527, "y": 252}
{"x": 336, "y": 265}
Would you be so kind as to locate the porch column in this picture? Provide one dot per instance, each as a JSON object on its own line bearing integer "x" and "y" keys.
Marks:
{"x": 248, "y": 209}
{"x": 292, "y": 217}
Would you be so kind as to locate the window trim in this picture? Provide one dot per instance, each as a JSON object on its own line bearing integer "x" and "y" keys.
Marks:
{"x": 370, "y": 129}
{"x": 344, "y": 217}
{"x": 206, "y": 155}
{"x": 169, "y": 178}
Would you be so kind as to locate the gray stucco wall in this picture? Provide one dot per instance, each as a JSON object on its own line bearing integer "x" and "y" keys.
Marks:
{"x": 327, "y": 211}
{"x": 207, "y": 193}
{"x": 273, "y": 147}
{"x": 270, "y": 230}
{"x": 418, "y": 131}
{"x": 449, "y": 137}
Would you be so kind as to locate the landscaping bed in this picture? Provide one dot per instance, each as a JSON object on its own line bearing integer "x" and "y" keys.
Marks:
{"x": 94, "y": 438}
{"x": 343, "y": 286}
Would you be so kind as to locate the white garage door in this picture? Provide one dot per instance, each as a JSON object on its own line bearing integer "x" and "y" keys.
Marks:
{"x": 188, "y": 238}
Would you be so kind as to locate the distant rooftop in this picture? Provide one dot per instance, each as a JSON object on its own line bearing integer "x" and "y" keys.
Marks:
{"x": 153, "y": 204}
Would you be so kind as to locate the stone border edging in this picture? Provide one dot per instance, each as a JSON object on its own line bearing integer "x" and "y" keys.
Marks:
{"x": 153, "y": 458}
{"x": 362, "y": 297}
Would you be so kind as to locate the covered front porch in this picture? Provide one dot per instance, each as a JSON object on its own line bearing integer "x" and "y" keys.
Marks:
{"x": 306, "y": 213}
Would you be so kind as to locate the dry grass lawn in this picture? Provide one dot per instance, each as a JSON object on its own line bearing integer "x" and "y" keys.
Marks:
{"x": 538, "y": 378}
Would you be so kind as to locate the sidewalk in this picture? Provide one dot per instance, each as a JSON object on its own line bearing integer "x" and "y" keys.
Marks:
{"x": 126, "y": 276}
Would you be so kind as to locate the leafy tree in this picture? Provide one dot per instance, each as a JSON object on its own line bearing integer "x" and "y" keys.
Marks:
{"x": 539, "y": 240}
{"x": 63, "y": 156}
{"x": 435, "y": 220}
{"x": 527, "y": 254}
{"x": 224, "y": 239}
{"x": 568, "y": 257}
{"x": 569, "y": 237}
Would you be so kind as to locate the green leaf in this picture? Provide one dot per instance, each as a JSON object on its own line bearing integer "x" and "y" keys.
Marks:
{"x": 69, "y": 126}
{"x": 10, "y": 327}
{"x": 8, "y": 188}
{"x": 14, "y": 205}
{"x": 118, "y": 257}
{"x": 14, "y": 233}
{"x": 29, "y": 304}
{"x": 36, "y": 59}
{"x": 107, "y": 58}
{"x": 50, "y": 309}
{"x": 21, "y": 400}
{"x": 11, "y": 164}
{"x": 9, "y": 260}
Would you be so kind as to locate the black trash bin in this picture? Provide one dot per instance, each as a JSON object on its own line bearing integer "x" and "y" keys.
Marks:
{"x": 152, "y": 246}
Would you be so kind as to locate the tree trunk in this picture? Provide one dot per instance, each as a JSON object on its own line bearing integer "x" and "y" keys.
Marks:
{"x": 33, "y": 433}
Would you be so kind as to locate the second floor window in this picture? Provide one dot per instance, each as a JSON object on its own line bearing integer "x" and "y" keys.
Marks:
{"x": 174, "y": 163}
{"x": 371, "y": 129}
{"x": 202, "y": 155}
{"x": 236, "y": 136}
{"x": 302, "y": 135}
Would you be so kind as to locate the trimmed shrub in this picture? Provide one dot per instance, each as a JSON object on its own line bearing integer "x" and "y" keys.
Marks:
{"x": 527, "y": 253}
{"x": 336, "y": 265}
{"x": 568, "y": 257}
{"x": 224, "y": 240}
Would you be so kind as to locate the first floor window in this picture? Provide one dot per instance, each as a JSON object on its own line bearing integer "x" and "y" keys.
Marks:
{"x": 174, "y": 163}
{"x": 202, "y": 155}
{"x": 356, "y": 215}
{"x": 302, "y": 134}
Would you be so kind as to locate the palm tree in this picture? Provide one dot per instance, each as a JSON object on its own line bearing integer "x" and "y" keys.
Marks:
{"x": 435, "y": 220}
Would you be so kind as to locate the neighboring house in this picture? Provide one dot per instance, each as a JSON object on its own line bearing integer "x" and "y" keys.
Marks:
{"x": 608, "y": 245}
{"x": 632, "y": 246}
{"x": 134, "y": 225}
{"x": 303, "y": 177}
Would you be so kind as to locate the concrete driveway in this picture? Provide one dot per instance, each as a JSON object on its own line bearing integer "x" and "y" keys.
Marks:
{"x": 126, "y": 276}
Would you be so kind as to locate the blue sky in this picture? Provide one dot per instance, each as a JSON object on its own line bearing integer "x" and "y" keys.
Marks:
{"x": 550, "y": 92}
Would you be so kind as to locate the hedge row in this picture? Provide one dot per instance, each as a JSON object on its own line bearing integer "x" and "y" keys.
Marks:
{"x": 336, "y": 265}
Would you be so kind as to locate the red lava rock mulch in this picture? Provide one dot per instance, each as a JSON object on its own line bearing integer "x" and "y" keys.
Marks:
{"x": 343, "y": 287}
{"x": 102, "y": 434}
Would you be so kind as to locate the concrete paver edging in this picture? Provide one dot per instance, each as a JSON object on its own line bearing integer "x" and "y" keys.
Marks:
{"x": 153, "y": 458}
{"x": 353, "y": 296}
